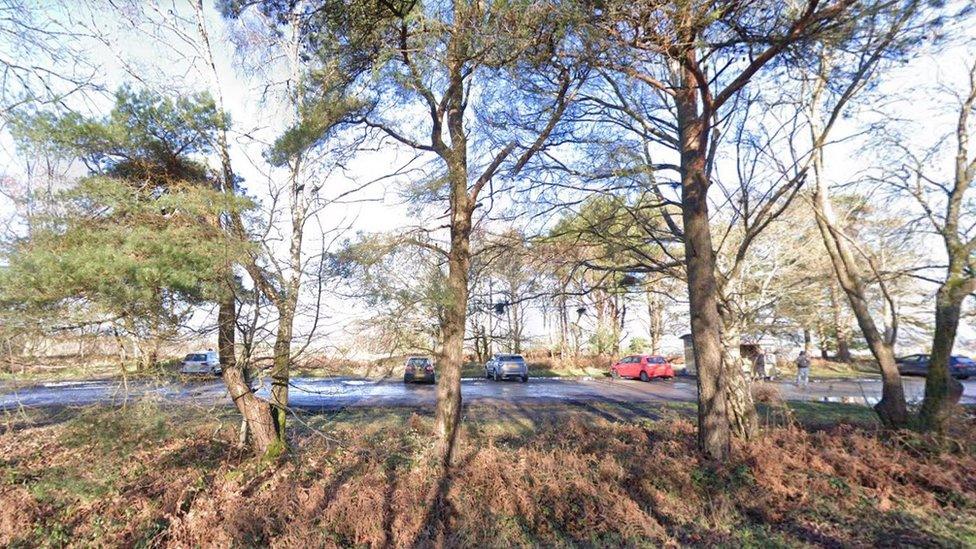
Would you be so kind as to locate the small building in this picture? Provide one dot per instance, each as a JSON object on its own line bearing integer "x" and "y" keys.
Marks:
{"x": 777, "y": 350}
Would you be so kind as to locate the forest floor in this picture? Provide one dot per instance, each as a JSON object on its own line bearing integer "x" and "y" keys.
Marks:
{"x": 562, "y": 474}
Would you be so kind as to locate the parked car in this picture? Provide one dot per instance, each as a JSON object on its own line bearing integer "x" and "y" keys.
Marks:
{"x": 643, "y": 367}
{"x": 501, "y": 367}
{"x": 419, "y": 368}
{"x": 960, "y": 367}
{"x": 201, "y": 363}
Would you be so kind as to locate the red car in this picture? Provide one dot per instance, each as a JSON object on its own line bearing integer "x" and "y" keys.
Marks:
{"x": 644, "y": 367}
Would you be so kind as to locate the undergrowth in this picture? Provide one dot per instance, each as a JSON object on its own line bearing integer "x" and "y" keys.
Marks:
{"x": 151, "y": 476}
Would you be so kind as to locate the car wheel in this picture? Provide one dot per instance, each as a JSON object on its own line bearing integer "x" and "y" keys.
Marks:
{"x": 525, "y": 378}
{"x": 614, "y": 373}
{"x": 963, "y": 377}
{"x": 496, "y": 376}
{"x": 643, "y": 376}
{"x": 487, "y": 374}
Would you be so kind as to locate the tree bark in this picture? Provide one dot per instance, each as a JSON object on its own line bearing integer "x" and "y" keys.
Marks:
{"x": 841, "y": 331}
{"x": 892, "y": 409}
{"x": 822, "y": 340}
{"x": 714, "y": 433}
{"x": 743, "y": 419}
{"x": 655, "y": 321}
{"x": 256, "y": 412}
{"x": 942, "y": 391}
{"x": 448, "y": 413}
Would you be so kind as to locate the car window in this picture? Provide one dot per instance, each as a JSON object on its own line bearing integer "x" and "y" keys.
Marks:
{"x": 196, "y": 357}
{"x": 418, "y": 362}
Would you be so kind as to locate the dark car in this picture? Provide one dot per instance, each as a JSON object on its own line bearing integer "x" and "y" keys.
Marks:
{"x": 501, "y": 367}
{"x": 419, "y": 369}
{"x": 960, "y": 367}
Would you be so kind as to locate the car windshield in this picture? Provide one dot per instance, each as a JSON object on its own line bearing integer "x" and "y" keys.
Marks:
{"x": 963, "y": 360}
{"x": 195, "y": 357}
{"x": 418, "y": 361}
{"x": 511, "y": 358}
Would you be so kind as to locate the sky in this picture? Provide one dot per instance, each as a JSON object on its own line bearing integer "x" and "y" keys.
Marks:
{"x": 128, "y": 48}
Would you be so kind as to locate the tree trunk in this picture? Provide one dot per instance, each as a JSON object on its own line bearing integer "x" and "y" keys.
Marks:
{"x": 714, "y": 434}
{"x": 841, "y": 331}
{"x": 942, "y": 391}
{"x": 822, "y": 340}
{"x": 256, "y": 412}
{"x": 448, "y": 413}
{"x": 742, "y": 411}
{"x": 892, "y": 409}
{"x": 280, "y": 369}
{"x": 655, "y": 321}
{"x": 807, "y": 341}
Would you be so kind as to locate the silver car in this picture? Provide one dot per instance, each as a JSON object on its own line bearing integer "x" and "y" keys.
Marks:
{"x": 201, "y": 363}
{"x": 501, "y": 367}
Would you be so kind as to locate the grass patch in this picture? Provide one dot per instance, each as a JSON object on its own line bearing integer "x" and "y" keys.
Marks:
{"x": 579, "y": 474}
{"x": 545, "y": 368}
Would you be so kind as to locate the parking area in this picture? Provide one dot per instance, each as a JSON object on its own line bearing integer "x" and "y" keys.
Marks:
{"x": 331, "y": 393}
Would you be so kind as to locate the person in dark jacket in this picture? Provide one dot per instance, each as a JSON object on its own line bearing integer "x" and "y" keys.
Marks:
{"x": 802, "y": 369}
{"x": 759, "y": 369}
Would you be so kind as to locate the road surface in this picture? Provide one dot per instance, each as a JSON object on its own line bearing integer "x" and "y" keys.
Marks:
{"x": 335, "y": 393}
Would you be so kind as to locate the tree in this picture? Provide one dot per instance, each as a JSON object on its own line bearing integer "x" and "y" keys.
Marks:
{"x": 435, "y": 59}
{"x": 42, "y": 58}
{"x": 853, "y": 66}
{"x": 695, "y": 59}
{"x": 134, "y": 243}
{"x": 946, "y": 206}
{"x": 611, "y": 241}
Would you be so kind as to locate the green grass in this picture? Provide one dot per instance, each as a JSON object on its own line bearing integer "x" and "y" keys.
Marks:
{"x": 98, "y": 369}
{"x": 829, "y": 369}
{"x": 539, "y": 369}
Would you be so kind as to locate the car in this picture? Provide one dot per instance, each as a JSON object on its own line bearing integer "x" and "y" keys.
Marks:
{"x": 960, "y": 367}
{"x": 643, "y": 367}
{"x": 507, "y": 366}
{"x": 207, "y": 363}
{"x": 419, "y": 369}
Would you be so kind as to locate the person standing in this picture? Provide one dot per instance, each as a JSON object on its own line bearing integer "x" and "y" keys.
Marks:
{"x": 802, "y": 369}
{"x": 760, "y": 366}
